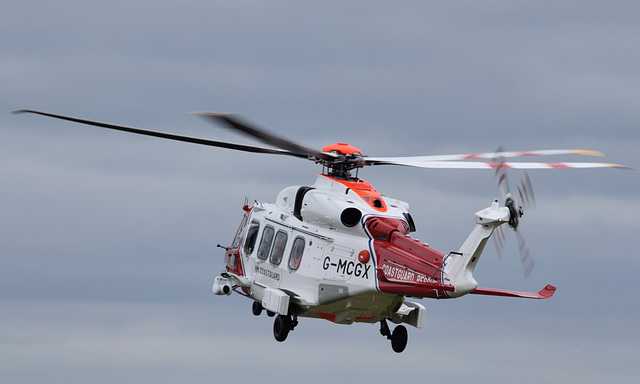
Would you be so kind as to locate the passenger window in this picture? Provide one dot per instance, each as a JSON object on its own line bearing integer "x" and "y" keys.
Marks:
{"x": 252, "y": 235}
{"x": 278, "y": 248}
{"x": 238, "y": 238}
{"x": 296, "y": 253}
{"x": 265, "y": 243}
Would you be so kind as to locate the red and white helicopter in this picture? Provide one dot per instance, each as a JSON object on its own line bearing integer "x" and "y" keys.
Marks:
{"x": 338, "y": 250}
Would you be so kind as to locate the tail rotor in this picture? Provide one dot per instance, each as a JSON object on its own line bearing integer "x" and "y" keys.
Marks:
{"x": 524, "y": 199}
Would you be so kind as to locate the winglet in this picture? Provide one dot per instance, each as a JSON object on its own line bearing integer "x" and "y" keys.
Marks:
{"x": 544, "y": 293}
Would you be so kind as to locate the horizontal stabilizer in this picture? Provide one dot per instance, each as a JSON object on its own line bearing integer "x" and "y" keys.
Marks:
{"x": 544, "y": 293}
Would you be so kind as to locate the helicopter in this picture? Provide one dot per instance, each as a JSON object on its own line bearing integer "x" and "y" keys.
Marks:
{"x": 338, "y": 250}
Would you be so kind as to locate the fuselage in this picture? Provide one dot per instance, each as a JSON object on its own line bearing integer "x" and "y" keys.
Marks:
{"x": 339, "y": 249}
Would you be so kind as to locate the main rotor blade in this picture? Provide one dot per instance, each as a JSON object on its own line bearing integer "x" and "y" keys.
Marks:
{"x": 169, "y": 136}
{"x": 238, "y": 124}
{"x": 410, "y": 162}
{"x": 492, "y": 155}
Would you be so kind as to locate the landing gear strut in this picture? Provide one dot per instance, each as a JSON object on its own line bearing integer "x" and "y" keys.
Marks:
{"x": 398, "y": 338}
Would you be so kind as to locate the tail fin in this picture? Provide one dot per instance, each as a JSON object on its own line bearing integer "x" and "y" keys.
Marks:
{"x": 460, "y": 265}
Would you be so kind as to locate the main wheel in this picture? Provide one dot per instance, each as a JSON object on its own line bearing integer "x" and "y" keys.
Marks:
{"x": 399, "y": 338}
{"x": 256, "y": 308}
{"x": 281, "y": 327}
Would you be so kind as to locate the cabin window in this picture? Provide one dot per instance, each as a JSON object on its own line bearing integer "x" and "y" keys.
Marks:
{"x": 265, "y": 242}
{"x": 296, "y": 253}
{"x": 252, "y": 235}
{"x": 238, "y": 238}
{"x": 278, "y": 248}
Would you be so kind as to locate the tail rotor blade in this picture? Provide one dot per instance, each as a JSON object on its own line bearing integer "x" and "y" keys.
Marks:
{"x": 525, "y": 193}
{"x": 525, "y": 199}
{"x": 501, "y": 173}
{"x": 525, "y": 255}
{"x": 500, "y": 237}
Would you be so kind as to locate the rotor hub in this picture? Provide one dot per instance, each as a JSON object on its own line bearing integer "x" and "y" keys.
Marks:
{"x": 348, "y": 158}
{"x": 342, "y": 149}
{"x": 515, "y": 213}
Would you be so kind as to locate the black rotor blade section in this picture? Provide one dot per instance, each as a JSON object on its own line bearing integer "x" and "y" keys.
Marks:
{"x": 236, "y": 123}
{"x": 169, "y": 136}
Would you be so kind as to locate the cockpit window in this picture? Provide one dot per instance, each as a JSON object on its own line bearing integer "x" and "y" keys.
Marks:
{"x": 238, "y": 238}
{"x": 278, "y": 248}
{"x": 252, "y": 235}
{"x": 265, "y": 242}
{"x": 296, "y": 253}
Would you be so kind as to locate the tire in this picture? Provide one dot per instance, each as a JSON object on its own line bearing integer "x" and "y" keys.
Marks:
{"x": 256, "y": 308}
{"x": 399, "y": 339}
{"x": 281, "y": 327}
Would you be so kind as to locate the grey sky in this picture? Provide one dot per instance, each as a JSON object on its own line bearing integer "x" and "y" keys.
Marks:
{"x": 108, "y": 239}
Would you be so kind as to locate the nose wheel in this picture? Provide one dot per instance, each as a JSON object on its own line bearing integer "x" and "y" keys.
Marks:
{"x": 398, "y": 337}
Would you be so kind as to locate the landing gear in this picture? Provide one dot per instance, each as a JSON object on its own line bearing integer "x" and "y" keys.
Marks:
{"x": 256, "y": 308}
{"x": 398, "y": 338}
{"x": 282, "y": 325}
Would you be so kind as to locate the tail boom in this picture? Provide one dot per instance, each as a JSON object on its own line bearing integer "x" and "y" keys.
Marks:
{"x": 459, "y": 266}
